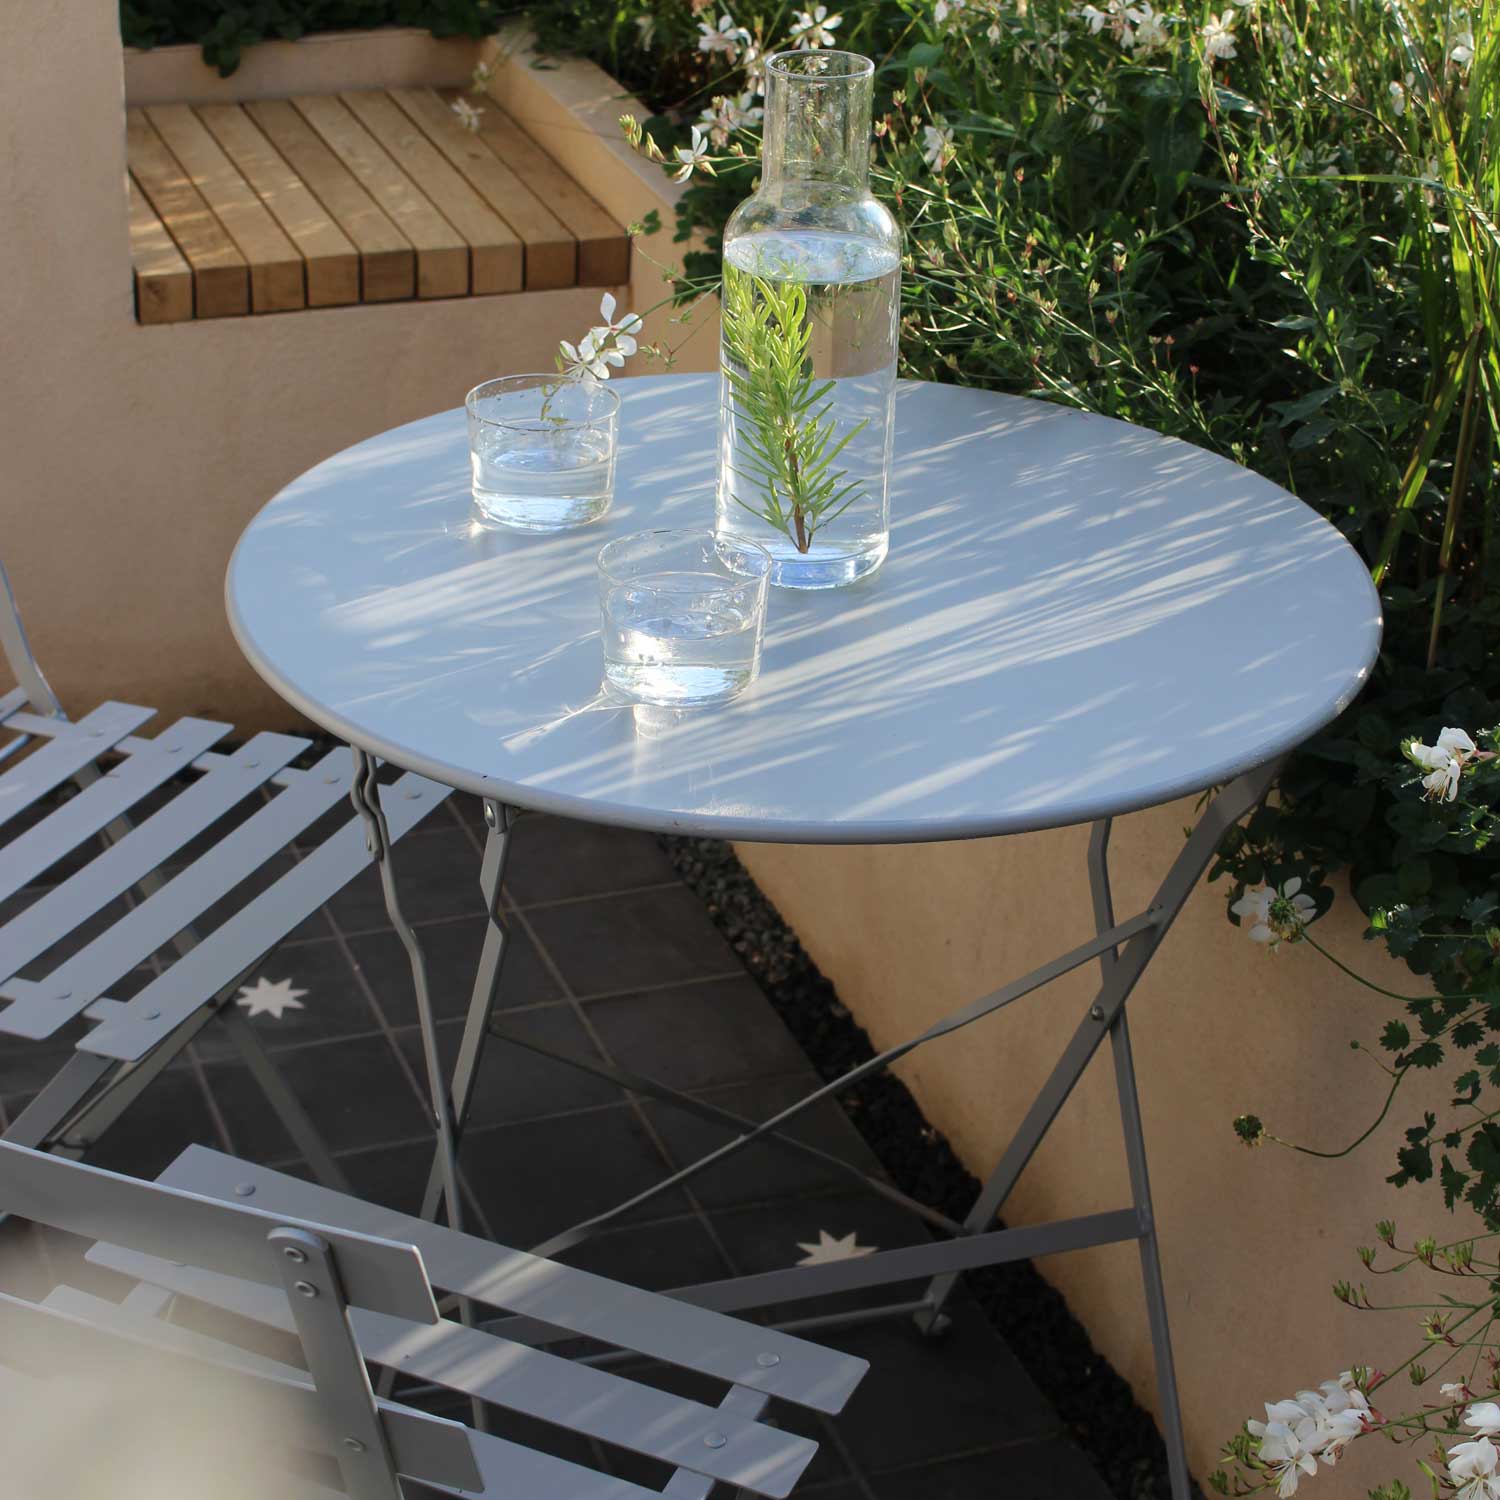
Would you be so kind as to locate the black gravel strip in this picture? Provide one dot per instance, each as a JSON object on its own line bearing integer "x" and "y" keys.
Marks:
{"x": 1095, "y": 1403}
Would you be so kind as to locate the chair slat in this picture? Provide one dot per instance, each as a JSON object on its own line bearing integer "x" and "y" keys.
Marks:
{"x": 158, "y": 1219}
{"x": 578, "y": 1301}
{"x": 51, "y": 765}
{"x": 98, "y": 805}
{"x": 578, "y": 1397}
{"x": 127, "y": 1032}
{"x": 152, "y": 843}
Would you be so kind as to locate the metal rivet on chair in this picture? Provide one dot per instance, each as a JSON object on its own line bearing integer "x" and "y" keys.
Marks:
{"x": 244, "y": 1189}
{"x": 306, "y": 1289}
{"x": 153, "y": 1015}
{"x": 767, "y": 1360}
{"x": 354, "y": 1445}
{"x": 293, "y": 1254}
{"x": 1096, "y": 1012}
{"x": 715, "y": 1440}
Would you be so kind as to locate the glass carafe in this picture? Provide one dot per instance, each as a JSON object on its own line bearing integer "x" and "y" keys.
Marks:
{"x": 811, "y": 304}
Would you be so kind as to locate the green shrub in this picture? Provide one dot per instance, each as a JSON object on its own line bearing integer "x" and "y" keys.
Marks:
{"x": 225, "y": 28}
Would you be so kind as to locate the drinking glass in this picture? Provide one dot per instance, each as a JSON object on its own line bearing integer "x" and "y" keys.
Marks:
{"x": 683, "y": 613}
{"x": 542, "y": 450}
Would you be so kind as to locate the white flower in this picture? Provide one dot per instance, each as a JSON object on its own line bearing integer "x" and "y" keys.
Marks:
{"x": 1456, "y": 1389}
{"x": 944, "y": 8}
{"x": 1276, "y": 916}
{"x": 1461, "y": 53}
{"x": 1483, "y": 1418}
{"x": 1398, "y": 97}
{"x": 814, "y": 29}
{"x": 1117, "y": 16}
{"x": 726, "y": 37}
{"x": 753, "y": 65}
{"x": 468, "y": 115}
{"x": 481, "y": 78}
{"x": 1284, "y": 1452}
{"x": 583, "y": 359}
{"x": 1218, "y": 36}
{"x": 691, "y": 156}
{"x": 993, "y": 32}
{"x": 1098, "y": 110}
{"x": 1444, "y": 762}
{"x": 724, "y": 116}
{"x": 1472, "y": 1465}
{"x": 620, "y": 335}
{"x": 1150, "y": 28}
{"x": 646, "y": 25}
{"x": 937, "y": 143}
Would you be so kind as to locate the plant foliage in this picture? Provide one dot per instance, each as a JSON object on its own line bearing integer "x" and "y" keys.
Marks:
{"x": 224, "y": 28}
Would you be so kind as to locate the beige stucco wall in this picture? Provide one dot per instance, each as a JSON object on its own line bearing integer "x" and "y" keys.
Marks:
{"x": 134, "y": 456}
{"x": 1253, "y": 1240}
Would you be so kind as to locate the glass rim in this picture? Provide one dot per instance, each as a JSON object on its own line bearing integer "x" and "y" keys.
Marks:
{"x": 856, "y": 65}
{"x": 530, "y": 381}
{"x": 683, "y": 533}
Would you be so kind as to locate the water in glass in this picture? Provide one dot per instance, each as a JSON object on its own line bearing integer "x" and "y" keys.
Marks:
{"x": 542, "y": 481}
{"x": 682, "y": 613}
{"x": 852, "y": 287}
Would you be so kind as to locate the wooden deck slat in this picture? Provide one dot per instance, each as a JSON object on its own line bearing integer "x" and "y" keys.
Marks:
{"x": 332, "y": 261}
{"x": 551, "y": 250}
{"x": 276, "y": 273}
{"x": 163, "y": 279}
{"x": 603, "y": 246}
{"x": 221, "y": 278}
{"x": 387, "y": 260}
{"x": 496, "y": 256}
{"x": 442, "y": 252}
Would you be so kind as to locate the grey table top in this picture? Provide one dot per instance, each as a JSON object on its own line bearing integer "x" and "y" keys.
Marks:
{"x": 1077, "y": 618}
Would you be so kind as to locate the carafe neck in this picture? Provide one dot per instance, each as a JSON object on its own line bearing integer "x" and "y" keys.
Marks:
{"x": 817, "y": 122}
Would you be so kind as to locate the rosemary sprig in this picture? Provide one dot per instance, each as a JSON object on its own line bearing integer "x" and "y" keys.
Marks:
{"x": 790, "y": 438}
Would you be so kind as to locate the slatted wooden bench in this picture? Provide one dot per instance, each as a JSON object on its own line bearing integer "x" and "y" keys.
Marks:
{"x": 365, "y": 196}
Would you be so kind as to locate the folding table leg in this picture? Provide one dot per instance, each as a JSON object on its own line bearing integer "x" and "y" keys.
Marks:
{"x": 365, "y": 794}
{"x": 499, "y": 819}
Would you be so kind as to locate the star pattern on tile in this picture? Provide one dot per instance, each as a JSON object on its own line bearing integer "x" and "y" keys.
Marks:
{"x": 827, "y": 1249}
{"x": 268, "y": 997}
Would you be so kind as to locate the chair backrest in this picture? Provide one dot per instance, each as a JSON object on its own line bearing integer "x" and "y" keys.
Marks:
{"x": 18, "y": 655}
{"x": 321, "y": 1271}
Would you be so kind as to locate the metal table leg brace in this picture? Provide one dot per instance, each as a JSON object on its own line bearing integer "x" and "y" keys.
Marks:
{"x": 1123, "y": 949}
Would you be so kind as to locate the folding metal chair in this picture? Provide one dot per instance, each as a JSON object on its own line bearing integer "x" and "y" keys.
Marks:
{"x": 352, "y": 1283}
{"x": 189, "y": 788}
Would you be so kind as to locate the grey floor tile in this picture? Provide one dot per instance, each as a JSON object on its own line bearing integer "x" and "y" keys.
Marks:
{"x": 1027, "y": 1471}
{"x": 437, "y": 875}
{"x": 540, "y": 1177}
{"x": 658, "y": 1257}
{"x": 762, "y": 1171}
{"x": 515, "y": 1083}
{"x": 553, "y": 859}
{"x": 331, "y": 1005}
{"x": 167, "y": 1118}
{"x": 451, "y": 951}
{"x": 628, "y": 942}
{"x": 770, "y": 1237}
{"x": 355, "y": 1093}
{"x": 696, "y": 1035}
{"x": 928, "y": 1399}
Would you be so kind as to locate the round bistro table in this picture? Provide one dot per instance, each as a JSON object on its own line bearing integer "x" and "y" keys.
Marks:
{"x": 1078, "y": 618}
